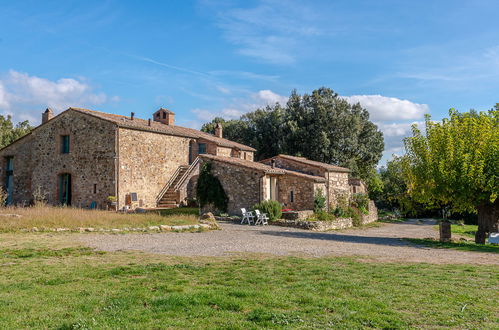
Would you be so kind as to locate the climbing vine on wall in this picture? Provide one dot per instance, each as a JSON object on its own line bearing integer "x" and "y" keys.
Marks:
{"x": 210, "y": 190}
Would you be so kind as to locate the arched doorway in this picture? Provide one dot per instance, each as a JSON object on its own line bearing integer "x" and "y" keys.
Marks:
{"x": 65, "y": 189}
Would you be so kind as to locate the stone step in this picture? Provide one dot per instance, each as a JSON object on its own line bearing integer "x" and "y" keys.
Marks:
{"x": 167, "y": 206}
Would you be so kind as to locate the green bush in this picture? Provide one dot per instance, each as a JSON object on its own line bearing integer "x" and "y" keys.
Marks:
{"x": 324, "y": 216}
{"x": 349, "y": 212}
{"x": 319, "y": 201}
{"x": 272, "y": 208}
{"x": 210, "y": 190}
{"x": 361, "y": 201}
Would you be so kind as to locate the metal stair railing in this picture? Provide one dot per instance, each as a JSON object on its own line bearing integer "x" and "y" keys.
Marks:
{"x": 169, "y": 183}
{"x": 186, "y": 174}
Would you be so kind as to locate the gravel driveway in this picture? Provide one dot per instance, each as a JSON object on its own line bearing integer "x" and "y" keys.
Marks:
{"x": 382, "y": 243}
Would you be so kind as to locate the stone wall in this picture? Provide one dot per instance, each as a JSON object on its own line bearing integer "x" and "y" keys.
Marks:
{"x": 146, "y": 162}
{"x": 39, "y": 161}
{"x": 338, "y": 187}
{"x": 372, "y": 216}
{"x": 21, "y": 151}
{"x": 242, "y": 185}
{"x": 340, "y": 223}
{"x": 303, "y": 192}
{"x": 90, "y": 162}
{"x": 222, "y": 151}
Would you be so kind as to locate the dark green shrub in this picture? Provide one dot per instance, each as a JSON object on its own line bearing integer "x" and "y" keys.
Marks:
{"x": 324, "y": 216}
{"x": 361, "y": 201}
{"x": 319, "y": 201}
{"x": 349, "y": 212}
{"x": 210, "y": 190}
{"x": 272, "y": 208}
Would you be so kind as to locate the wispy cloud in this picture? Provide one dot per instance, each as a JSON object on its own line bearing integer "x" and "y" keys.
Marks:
{"x": 270, "y": 30}
{"x": 445, "y": 66}
{"x": 169, "y": 66}
{"x": 244, "y": 75}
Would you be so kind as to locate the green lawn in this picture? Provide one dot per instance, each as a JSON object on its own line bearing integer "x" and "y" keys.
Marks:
{"x": 78, "y": 288}
{"x": 457, "y": 245}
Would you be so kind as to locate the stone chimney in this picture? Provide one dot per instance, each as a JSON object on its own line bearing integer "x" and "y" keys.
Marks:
{"x": 47, "y": 115}
{"x": 132, "y": 116}
{"x": 219, "y": 130}
{"x": 164, "y": 116}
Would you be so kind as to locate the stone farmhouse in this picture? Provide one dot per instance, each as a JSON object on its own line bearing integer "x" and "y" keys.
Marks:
{"x": 83, "y": 157}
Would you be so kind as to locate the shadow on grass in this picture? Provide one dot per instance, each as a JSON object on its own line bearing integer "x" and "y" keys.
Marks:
{"x": 463, "y": 246}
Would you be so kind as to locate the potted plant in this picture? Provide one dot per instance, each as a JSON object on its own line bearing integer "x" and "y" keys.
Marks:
{"x": 112, "y": 202}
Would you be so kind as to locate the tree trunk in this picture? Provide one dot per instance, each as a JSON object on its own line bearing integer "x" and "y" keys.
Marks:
{"x": 488, "y": 221}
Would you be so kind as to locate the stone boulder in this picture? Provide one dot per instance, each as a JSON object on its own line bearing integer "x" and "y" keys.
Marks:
{"x": 209, "y": 219}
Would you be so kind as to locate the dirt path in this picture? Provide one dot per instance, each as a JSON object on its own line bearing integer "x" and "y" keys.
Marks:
{"x": 381, "y": 243}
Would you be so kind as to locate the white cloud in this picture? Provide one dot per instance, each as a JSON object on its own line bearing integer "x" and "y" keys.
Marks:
{"x": 389, "y": 108}
{"x": 3, "y": 97}
{"x": 269, "y": 97}
{"x": 203, "y": 114}
{"x": 240, "y": 106}
{"x": 25, "y": 96}
{"x": 231, "y": 113}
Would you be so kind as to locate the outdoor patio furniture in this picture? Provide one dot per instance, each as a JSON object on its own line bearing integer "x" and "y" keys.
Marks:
{"x": 247, "y": 217}
{"x": 261, "y": 218}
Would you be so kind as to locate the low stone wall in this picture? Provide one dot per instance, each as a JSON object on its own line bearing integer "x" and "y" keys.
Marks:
{"x": 297, "y": 215}
{"x": 372, "y": 216}
{"x": 340, "y": 223}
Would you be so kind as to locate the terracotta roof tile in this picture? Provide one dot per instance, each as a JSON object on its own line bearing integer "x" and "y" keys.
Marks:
{"x": 306, "y": 161}
{"x": 157, "y": 127}
{"x": 261, "y": 167}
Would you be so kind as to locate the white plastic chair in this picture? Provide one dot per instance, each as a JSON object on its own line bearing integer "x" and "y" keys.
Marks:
{"x": 247, "y": 217}
{"x": 261, "y": 218}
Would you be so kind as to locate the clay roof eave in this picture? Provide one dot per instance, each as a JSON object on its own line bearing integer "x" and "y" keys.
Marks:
{"x": 303, "y": 160}
{"x": 143, "y": 125}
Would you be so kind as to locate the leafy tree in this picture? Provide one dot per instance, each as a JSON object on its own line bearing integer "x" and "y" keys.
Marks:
{"x": 10, "y": 133}
{"x": 394, "y": 193}
{"x": 234, "y": 130}
{"x": 321, "y": 126}
{"x": 455, "y": 164}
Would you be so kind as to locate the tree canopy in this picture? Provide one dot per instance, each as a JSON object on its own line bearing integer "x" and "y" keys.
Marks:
{"x": 10, "y": 132}
{"x": 321, "y": 126}
{"x": 455, "y": 163}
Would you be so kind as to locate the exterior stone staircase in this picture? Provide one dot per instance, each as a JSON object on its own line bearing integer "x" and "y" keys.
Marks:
{"x": 169, "y": 196}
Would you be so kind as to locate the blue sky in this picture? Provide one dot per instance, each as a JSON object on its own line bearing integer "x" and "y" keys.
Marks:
{"x": 202, "y": 59}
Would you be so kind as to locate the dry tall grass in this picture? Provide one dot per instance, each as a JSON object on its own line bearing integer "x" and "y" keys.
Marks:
{"x": 72, "y": 218}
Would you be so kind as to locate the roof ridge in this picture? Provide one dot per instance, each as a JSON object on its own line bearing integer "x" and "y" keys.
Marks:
{"x": 176, "y": 130}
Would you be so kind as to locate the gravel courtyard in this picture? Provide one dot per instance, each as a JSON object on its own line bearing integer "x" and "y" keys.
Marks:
{"x": 380, "y": 243}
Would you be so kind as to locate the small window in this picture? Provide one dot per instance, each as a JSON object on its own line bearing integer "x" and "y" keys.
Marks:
{"x": 202, "y": 148}
{"x": 292, "y": 196}
{"x": 95, "y": 188}
{"x": 164, "y": 115}
{"x": 65, "y": 144}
